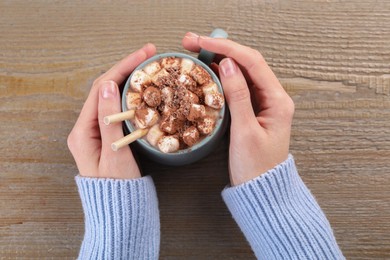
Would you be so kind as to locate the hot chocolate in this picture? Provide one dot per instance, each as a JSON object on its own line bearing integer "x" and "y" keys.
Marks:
{"x": 175, "y": 99}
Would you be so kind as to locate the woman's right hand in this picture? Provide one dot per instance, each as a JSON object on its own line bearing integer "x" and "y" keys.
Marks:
{"x": 90, "y": 139}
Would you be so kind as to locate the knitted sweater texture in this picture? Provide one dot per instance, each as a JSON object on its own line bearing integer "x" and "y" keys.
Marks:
{"x": 276, "y": 212}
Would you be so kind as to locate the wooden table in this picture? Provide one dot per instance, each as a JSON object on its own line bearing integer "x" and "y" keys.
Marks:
{"x": 332, "y": 57}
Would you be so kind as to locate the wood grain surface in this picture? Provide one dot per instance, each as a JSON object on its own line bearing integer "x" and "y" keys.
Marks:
{"x": 332, "y": 57}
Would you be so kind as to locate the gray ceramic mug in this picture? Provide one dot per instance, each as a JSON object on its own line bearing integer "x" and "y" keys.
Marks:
{"x": 208, "y": 143}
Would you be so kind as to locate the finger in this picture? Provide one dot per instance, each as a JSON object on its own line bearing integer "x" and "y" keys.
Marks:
{"x": 190, "y": 42}
{"x": 265, "y": 81}
{"x": 113, "y": 164}
{"x": 118, "y": 73}
{"x": 250, "y": 59}
{"x": 237, "y": 93}
{"x": 109, "y": 104}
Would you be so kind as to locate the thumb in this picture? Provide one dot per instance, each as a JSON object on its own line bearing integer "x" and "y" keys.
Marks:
{"x": 109, "y": 103}
{"x": 120, "y": 164}
{"x": 236, "y": 92}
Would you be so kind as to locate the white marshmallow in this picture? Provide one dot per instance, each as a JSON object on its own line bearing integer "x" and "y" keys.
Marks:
{"x": 199, "y": 108}
{"x": 166, "y": 110}
{"x": 196, "y": 111}
{"x": 192, "y": 97}
{"x": 186, "y": 66}
{"x": 214, "y": 100}
{"x": 139, "y": 79}
{"x": 154, "y": 135}
{"x": 170, "y": 62}
{"x": 152, "y": 68}
{"x": 145, "y": 117}
{"x": 191, "y": 136}
{"x": 211, "y": 112}
{"x": 184, "y": 79}
{"x": 160, "y": 74}
{"x": 167, "y": 94}
{"x": 206, "y": 125}
{"x": 169, "y": 124}
{"x": 133, "y": 100}
{"x": 210, "y": 88}
{"x": 168, "y": 144}
{"x": 200, "y": 75}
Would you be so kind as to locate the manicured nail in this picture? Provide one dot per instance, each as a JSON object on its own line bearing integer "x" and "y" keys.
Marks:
{"x": 108, "y": 89}
{"x": 228, "y": 67}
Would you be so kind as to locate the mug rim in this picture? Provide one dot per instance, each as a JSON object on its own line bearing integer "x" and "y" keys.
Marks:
{"x": 221, "y": 114}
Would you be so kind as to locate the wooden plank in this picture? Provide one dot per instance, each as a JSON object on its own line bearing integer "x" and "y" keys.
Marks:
{"x": 332, "y": 57}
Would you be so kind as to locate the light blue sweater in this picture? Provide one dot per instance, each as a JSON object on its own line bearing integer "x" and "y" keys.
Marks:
{"x": 276, "y": 212}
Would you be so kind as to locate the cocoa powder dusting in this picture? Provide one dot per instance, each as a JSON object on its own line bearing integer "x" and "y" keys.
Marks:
{"x": 175, "y": 105}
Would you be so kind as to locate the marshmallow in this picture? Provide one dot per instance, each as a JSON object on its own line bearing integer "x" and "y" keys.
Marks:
{"x": 167, "y": 94}
{"x": 154, "y": 135}
{"x": 152, "y": 68}
{"x": 152, "y": 96}
{"x": 170, "y": 124}
{"x": 168, "y": 144}
{"x": 158, "y": 79}
{"x": 182, "y": 94}
{"x": 191, "y": 136}
{"x": 170, "y": 62}
{"x": 181, "y": 113}
{"x": 145, "y": 117}
{"x": 133, "y": 100}
{"x": 214, "y": 100}
{"x": 165, "y": 110}
{"x": 186, "y": 66}
{"x": 139, "y": 79}
{"x": 212, "y": 112}
{"x": 200, "y": 75}
{"x": 186, "y": 81}
{"x": 210, "y": 88}
{"x": 206, "y": 125}
{"x": 191, "y": 97}
{"x": 196, "y": 111}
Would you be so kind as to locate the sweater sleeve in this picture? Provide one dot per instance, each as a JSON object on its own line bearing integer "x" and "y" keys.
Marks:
{"x": 280, "y": 217}
{"x": 121, "y": 218}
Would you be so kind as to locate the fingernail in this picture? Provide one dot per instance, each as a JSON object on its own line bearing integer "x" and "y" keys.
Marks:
{"x": 228, "y": 67}
{"x": 205, "y": 37}
{"x": 192, "y": 35}
{"x": 108, "y": 89}
{"x": 146, "y": 46}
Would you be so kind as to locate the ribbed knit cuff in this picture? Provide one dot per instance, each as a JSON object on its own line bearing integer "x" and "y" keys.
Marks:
{"x": 280, "y": 217}
{"x": 121, "y": 218}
